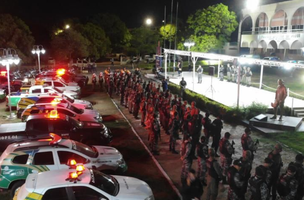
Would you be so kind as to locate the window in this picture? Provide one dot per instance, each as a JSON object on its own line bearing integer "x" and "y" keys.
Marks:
{"x": 45, "y": 100}
{"x": 66, "y": 112}
{"x": 56, "y": 84}
{"x": 48, "y": 83}
{"x": 22, "y": 159}
{"x": 85, "y": 193}
{"x": 40, "y": 125}
{"x": 60, "y": 125}
{"x": 56, "y": 193}
{"x": 64, "y": 156}
{"x": 37, "y": 91}
{"x": 43, "y": 158}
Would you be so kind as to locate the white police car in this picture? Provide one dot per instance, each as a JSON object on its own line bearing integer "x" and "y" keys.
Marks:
{"x": 24, "y": 158}
{"x": 82, "y": 184}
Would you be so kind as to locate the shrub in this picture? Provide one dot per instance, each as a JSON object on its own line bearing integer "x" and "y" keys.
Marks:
{"x": 255, "y": 109}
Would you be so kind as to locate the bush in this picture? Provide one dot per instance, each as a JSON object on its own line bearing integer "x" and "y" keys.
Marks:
{"x": 255, "y": 109}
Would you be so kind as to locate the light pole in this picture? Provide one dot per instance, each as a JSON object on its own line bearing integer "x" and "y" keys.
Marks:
{"x": 9, "y": 56}
{"x": 189, "y": 44}
{"x": 37, "y": 49}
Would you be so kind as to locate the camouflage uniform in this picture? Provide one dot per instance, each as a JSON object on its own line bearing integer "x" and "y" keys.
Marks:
{"x": 235, "y": 184}
{"x": 214, "y": 175}
{"x": 226, "y": 151}
{"x": 186, "y": 158}
{"x": 287, "y": 187}
{"x": 202, "y": 155}
{"x": 258, "y": 188}
{"x": 248, "y": 144}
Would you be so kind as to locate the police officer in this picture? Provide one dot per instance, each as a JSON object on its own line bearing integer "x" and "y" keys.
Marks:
{"x": 207, "y": 126}
{"x": 235, "y": 181}
{"x": 202, "y": 155}
{"x": 100, "y": 80}
{"x": 258, "y": 186}
{"x": 245, "y": 170}
{"x": 193, "y": 188}
{"x": 94, "y": 81}
{"x": 182, "y": 85}
{"x": 174, "y": 133}
{"x": 248, "y": 76}
{"x": 226, "y": 151}
{"x": 199, "y": 73}
{"x": 247, "y": 142}
{"x": 228, "y": 72}
{"x": 276, "y": 158}
{"x": 266, "y": 168}
{"x": 214, "y": 176}
{"x": 288, "y": 184}
{"x": 299, "y": 175}
{"x": 217, "y": 126}
{"x": 186, "y": 158}
{"x": 221, "y": 73}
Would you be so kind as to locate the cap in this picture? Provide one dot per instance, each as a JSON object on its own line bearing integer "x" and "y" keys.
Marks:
{"x": 278, "y": 147}
{"x": 227, "y": 135}
{"x": 247, "y": 130}
{"x": 259, "y": 172}
{"x": 237, "y": 162}
{"x": 268, "y": 160}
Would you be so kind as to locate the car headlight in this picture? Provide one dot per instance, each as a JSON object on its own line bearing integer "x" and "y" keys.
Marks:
{"x": 150, "y": 198}
{"x": 120, "y": 162}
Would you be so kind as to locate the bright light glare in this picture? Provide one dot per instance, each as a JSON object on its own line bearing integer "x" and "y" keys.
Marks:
{"x": 252, "y": 4}
{"x": 67, "y": 26}
{"x": 148, "y": 21}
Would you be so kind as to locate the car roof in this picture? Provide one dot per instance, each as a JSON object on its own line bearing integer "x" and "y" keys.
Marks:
{"x": 37, "y": 182}
{"x": 44, "y": 143}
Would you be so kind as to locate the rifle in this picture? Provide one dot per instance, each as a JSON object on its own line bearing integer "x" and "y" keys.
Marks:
{"x": 256, "y": 143}
{"x": 232, "y": 145}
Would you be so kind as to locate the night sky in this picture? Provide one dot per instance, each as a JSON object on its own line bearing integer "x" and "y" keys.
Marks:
{"x": 41, "y": 15}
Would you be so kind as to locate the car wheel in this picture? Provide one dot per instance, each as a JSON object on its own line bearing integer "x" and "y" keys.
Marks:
{"x": 15, "y": 187}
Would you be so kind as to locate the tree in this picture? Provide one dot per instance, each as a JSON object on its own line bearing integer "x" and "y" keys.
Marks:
{"x": 16, "y": 34}
{"x": 70, "y": 44}
{"x": 99, "y": 43}
{"x": 144, "y": 41}
{"x": 115, "y": 29}
{"x": 215, "y": 21}
{"x": 168, "y": 32}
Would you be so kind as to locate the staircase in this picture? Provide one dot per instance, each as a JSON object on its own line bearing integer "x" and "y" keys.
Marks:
{"x": 298, "y": 112}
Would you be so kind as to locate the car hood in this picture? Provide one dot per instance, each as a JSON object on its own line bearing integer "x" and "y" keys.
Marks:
{"x": 109, "y": 152}
{"x": 132, "y": 188}
{"x": 72, "y": 84}
{"x": 78, "y": 101}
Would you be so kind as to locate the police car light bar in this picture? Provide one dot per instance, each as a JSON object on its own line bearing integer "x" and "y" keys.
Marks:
{"x": 72, "y": 163}
{"x": 73, "y": 177}
{"x": 53, "y": 114}
{"x": 80, "y": 168}
{"x": 60, "y": 72}
{"x": 55, "y": 139}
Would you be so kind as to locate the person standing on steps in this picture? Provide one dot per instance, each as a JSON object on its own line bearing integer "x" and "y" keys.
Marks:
{"x": 182, "y": 85}
{"x": 280, "y": 97}
{"x": 199, "y": 73}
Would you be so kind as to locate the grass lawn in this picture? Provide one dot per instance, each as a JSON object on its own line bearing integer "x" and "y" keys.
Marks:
{"x": 291, "y": 139}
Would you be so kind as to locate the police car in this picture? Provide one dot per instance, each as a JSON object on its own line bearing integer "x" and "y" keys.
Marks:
{"x": 24, "y": 158}
{"x": 84, "y": 184}
{"x": 85, "y": 115}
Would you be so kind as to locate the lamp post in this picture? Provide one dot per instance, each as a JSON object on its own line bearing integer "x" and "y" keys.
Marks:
{"x": 9, "y": 57}
{"x": 189, "y": 44}
{"x": 37, "y": 49}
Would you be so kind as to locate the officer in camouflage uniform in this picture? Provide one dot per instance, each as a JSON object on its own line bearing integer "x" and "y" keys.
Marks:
{"x": 246, "y": 170}
{"x": 202, "y": 155}
{"x": 235, "y": 181}
{"x": 299, "y": 175}
{"x": 266, "y": 168}
{"x": 228, "y": 72}
{"x": 214, "y": 175}
{"x": 186, "y": 158}
{"x": 174, "y": 133}
{"x": 247, "y": 142}
{"x": 257, "y": 185}
{"x": 226, "y": 151}
{"x": 276, "y": 158}
{"x": 287, "y": 185}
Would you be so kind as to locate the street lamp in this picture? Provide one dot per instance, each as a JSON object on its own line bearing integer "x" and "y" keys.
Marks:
{"x": 37, "y": 49}
{"x": 67, "y": 26}
{"x": 8, "y": 58}
{"x": 252, "y": 5}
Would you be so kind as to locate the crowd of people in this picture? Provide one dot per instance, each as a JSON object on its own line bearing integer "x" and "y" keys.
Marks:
{"x": 158, "y": 108}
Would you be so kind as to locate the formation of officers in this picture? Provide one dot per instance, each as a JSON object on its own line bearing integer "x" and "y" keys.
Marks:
{"x": 159, "y": 108}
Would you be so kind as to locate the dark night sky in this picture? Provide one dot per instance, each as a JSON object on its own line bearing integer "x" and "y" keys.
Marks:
{"x": 41, "y": 15}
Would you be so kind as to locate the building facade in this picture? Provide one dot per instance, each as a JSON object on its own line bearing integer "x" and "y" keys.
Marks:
{"x": 274, "y": 30}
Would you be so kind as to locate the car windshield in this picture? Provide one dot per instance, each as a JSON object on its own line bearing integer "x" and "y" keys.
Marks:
{"x": 69, "y": 99}
{"x": 76, "y": 110}
{"x": 57, "y": 90}
{"x": 104, "y": 182}
{"x": 85, "y": 149}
